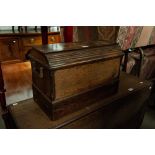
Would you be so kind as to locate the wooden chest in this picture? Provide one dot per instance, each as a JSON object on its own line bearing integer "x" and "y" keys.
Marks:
{"x": 63, "y": 73}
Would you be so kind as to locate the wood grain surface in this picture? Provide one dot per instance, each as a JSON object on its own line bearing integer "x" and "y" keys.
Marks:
{"x": 81, "y": 78}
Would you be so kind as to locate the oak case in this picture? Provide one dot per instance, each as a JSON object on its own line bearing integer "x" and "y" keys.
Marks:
{"x": 66, "y": 75}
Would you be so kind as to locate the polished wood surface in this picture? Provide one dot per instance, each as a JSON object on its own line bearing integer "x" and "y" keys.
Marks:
{"x": 14, "y": 46}
{"x": 124, "y": 109}
{"x": 31, "y": 40}
{"x": 9, "y": 48}
{"x": 17, "y": 80}
{"x": 52, "y": 39}
{"x": 74, "y": 46}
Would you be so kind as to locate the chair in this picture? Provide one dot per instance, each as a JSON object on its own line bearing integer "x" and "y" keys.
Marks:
{"x": 138, "y": 44}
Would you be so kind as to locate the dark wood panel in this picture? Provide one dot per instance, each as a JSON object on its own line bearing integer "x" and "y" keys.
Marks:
{"x": 115, "y": 115}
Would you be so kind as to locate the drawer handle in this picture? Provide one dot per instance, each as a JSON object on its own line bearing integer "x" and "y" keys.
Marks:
{"x": 52, "y": 39}
{"x": 32, "y": 40}
{"x": 14, "y": 41}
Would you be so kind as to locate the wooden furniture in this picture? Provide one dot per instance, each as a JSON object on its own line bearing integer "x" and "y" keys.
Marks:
{"x": 64, "y": 72}
{"x": 14, "y": 45}
{"x": 2, "y": 92}
{"x": 9, "y": 48}
{"x": 44, "y": 33}
{"x": 17, "y": 81}
{"x": 124, "y": 109}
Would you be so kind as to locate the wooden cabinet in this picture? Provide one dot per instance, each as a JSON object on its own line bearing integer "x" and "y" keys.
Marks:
{"x": 28, "y": 42}
{"x": 31, "y": 40}
{"x": 53, "y": 39}
{"x": 9, "y": 49}
{"x": 14, "y": 46}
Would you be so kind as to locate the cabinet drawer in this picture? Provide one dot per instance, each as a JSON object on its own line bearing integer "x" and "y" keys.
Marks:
{"x": 53, "y": 39}
{"x": 33, "y": 40}
{"x": 9, "y": 49}
{"x": 37, "y": 40}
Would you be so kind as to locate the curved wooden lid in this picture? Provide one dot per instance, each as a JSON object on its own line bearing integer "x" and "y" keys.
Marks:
{"x": 60, "y": 55}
